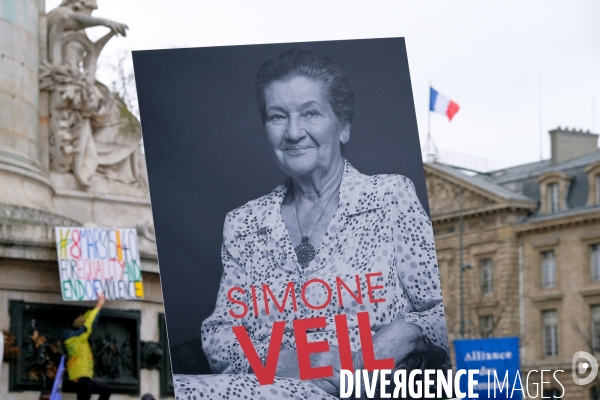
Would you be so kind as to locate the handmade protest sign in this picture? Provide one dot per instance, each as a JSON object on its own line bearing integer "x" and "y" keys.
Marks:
{"x": 93, "y": 260}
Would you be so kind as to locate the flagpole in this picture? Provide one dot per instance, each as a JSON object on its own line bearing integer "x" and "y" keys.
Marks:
{"x": 429, "y": 158}
{"x": 540, "y": 120}
{"x": 593, "y": 114}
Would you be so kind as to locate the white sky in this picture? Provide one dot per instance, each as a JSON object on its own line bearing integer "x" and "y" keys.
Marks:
{"x": 489, "y": 57}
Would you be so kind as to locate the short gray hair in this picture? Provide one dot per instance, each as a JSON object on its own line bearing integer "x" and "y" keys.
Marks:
{"x": 310, "y": 65}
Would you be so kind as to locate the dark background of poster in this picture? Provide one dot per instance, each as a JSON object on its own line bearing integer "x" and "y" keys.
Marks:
{"x": 207, "y": 155}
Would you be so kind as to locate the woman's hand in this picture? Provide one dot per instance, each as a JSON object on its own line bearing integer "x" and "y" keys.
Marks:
{"x": 101, "y": 301}
{"x": 398, "y": 340}
{"x": 287, "y": 367}
{"x": 331, "y": 358}
{"x": 357, "y": 360}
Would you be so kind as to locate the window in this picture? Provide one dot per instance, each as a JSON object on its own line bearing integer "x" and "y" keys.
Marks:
{"x": 595, "y": 261}
{"x": 487, "y": 277}
{"x": 548, "y": 269}
{"x": 553, "y": 203}
{"x": 486, "y": 326}
{"x": 550, "y": 333}
{"x": 596, "y": 328}
{"x": 598, "y": 189}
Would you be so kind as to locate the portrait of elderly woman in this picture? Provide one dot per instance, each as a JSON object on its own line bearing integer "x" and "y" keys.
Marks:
{"x": 328, "y": 222}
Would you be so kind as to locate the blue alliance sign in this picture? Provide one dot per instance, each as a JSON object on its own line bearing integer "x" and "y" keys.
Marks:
{"x": 498, "y": 363}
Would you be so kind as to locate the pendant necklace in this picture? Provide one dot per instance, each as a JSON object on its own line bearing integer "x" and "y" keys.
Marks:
{"x": 306, "y": 251}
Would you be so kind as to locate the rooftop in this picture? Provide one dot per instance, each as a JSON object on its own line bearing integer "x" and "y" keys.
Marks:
{"x": 520, "y": 182}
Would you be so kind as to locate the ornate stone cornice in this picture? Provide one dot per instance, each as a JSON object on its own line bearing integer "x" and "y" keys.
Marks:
{"x": 444, "y": 191}
{"x": 555, "y": 221}
{"x": 460, "y": 182}
{"x": 509, "y": 207}
{"x": 28, "y": 234}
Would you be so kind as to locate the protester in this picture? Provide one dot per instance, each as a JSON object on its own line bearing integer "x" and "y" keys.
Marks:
{"x": 148, "y": 396}
{"x": 80, "y": 365}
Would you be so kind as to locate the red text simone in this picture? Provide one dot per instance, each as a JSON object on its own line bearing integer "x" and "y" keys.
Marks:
{"x": 266, "y": 373}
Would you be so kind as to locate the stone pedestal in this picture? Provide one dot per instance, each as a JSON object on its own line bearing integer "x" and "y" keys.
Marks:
{"x": 23, "y": 173}
{"x": 104, "y": 203}
{"x": 68, "y": 157}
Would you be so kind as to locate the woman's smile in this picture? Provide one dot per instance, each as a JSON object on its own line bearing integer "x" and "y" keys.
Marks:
{"x": 297, "y": 150}
{"x": 302, "y": 128}
{"x": 327, "y": 225}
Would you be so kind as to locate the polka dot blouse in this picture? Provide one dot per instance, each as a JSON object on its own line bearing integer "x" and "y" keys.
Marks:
{"x": 379, "y": 228}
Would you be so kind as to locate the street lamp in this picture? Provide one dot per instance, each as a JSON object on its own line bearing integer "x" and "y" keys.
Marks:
{"x": 460, "y": 262}
{"x": 462, "y": 300}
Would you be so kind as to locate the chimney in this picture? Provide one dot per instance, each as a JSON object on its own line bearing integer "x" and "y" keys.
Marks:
{"x": 566, "y": 144}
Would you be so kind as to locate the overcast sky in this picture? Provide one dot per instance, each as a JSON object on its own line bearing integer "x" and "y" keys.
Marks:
{"x": 489, "y": 57}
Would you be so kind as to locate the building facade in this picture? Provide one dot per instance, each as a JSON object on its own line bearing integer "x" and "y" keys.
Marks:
{"x": 531, "y": 247}
{"x": 69, "y": 156}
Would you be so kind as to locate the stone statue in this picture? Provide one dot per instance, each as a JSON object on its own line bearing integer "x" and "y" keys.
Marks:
{"x": 92, "y": 133}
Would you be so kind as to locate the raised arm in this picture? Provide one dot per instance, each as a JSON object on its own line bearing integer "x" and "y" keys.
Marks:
{"x": 78, "y": 21}
{"x": 91, "y": 317}
{"x": 63, "y": 19}
{"x": 101, "y": 301}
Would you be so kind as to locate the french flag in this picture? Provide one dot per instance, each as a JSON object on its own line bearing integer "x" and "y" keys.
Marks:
{"x": 441, "y": 104}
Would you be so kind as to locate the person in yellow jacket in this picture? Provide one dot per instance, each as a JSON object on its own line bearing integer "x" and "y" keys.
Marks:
{"x": 80, "y": 364}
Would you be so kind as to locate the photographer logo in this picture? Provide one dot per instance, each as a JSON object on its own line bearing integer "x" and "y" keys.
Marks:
{"x": 580, "y": 367}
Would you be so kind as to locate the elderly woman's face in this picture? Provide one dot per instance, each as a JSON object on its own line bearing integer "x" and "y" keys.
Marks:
{"x": 301, "y": 126}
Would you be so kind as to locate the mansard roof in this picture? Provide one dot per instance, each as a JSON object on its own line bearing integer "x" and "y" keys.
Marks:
{"x": 521, "y": 182}
{"x": 450, "y": 190}
{"x": 480, "y": 182}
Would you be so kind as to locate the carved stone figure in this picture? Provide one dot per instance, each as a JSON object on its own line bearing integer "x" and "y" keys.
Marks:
{"x": 92, "y": 133}
{"x": 444, "y": 197}
{"x": 108, "y": 356}
{"x": 41, "y": 353}
{"x": 151, "y": 355}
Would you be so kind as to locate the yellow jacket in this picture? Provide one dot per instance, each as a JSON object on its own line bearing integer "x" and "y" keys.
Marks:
{"x": 81, "y": 361}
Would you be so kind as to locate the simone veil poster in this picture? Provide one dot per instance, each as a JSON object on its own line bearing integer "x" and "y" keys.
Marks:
{"x": 291, "y": 217}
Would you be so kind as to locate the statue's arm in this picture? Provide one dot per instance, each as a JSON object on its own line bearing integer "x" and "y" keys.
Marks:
{"x": 77, "y": 21}
{"x": 102, "y": 41}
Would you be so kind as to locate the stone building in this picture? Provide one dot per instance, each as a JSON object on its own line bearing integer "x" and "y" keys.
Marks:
{"x": 69, "y": 156}
{"x": 531, "y": 236}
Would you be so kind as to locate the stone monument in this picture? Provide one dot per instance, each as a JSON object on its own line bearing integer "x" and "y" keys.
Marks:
{"x": 93, "y": 139}
{"x": 69, "y": 156}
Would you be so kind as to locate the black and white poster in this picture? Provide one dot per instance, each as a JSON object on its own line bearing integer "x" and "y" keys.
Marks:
{"x": 291, "y": 216}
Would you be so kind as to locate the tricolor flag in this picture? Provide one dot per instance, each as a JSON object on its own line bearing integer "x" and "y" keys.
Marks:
{"x": 441, "y": 104}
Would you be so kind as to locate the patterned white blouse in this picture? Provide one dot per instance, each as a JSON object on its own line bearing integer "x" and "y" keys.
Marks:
{"x": 379, "y": 227}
